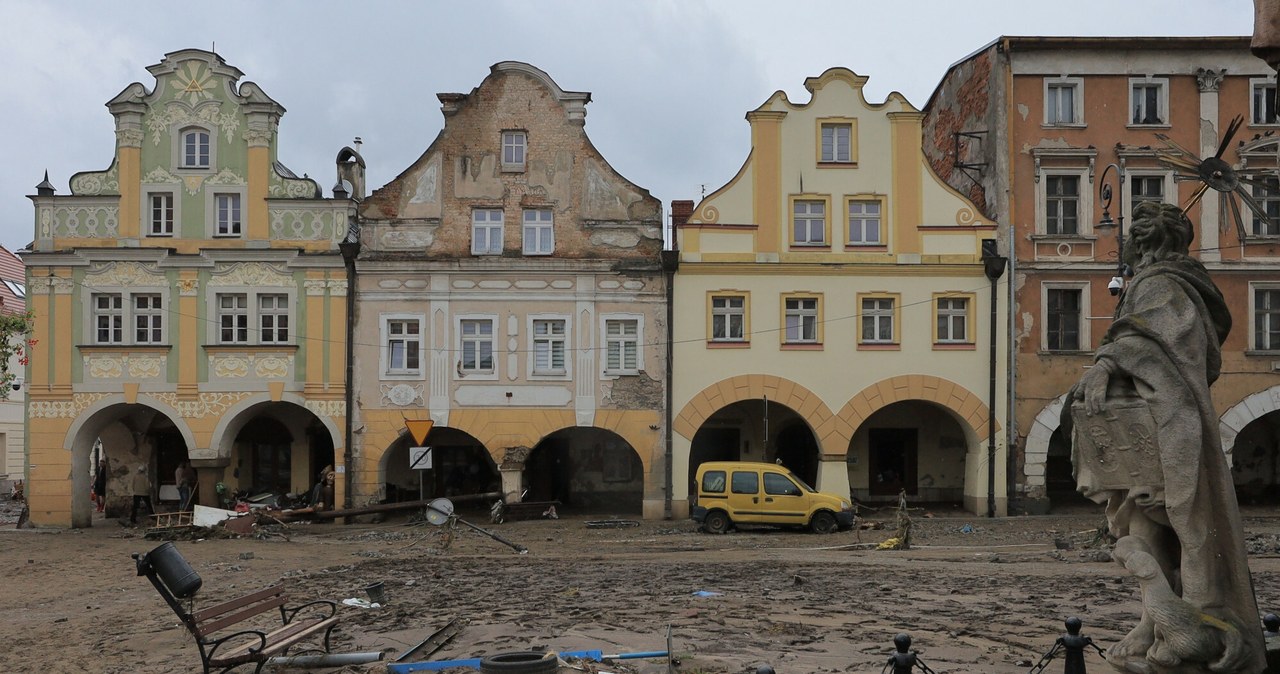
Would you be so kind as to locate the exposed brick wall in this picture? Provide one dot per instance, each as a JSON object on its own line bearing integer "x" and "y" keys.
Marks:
{"x": 962, "y": 103}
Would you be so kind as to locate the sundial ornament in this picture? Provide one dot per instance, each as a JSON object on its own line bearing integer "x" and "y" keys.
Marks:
{"x": 1216, "y": 174}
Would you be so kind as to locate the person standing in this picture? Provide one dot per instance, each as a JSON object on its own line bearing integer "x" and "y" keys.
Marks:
{"x": 100, "y": 485}
{"x": 185, "y": 476}
{"x": 141, "y": 494}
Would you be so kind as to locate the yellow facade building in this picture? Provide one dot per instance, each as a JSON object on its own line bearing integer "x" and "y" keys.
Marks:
{"x": 190, "y": 302}
{"x": 833, "y": 311}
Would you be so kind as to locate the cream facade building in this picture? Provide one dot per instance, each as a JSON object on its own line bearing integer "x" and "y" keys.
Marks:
{"x": 833, "y": 314}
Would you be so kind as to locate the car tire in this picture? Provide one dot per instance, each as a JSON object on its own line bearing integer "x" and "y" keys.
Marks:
{"x": 520, "y": 662}
{"x": 823, "y": 522}
{"x": 716, "y": 522}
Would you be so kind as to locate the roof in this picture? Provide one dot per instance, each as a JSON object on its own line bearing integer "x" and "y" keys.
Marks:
{"x": 13, "y": 279}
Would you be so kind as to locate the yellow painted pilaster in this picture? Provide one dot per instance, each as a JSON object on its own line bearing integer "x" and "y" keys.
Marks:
{"x": 188, "y": 341}
{"x": 336, "y": 339}
{"x": 42, "y": 330}
{"x": 259, "y": 165}
{"x": 907, "y": 209}
{"x": 61, "y": 343}
{"x": 766, "y": 151}
{"x": 314, "y": 337}
{"x": 130, "y": 161}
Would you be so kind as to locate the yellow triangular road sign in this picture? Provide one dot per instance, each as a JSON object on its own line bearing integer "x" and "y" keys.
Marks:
{"x": 419, "y": 428}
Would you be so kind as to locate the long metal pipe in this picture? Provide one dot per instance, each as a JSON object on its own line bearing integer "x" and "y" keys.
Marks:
{"x": 327, "y": 660}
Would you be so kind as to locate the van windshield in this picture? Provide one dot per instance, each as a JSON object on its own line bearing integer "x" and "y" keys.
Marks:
{"x": 803, "y": 485}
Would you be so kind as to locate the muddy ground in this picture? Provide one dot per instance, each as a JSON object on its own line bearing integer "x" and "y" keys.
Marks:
{"x": 976, "y": 595}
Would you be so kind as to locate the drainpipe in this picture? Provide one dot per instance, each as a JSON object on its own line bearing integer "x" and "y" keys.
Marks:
{"x": 670, "y": 261}
{"x": 350, "y": 249}
{"x": 993, "y": 266}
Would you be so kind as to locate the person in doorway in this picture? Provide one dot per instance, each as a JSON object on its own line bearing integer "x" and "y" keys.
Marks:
{"x": 317, "y": 492}
{"x": 100, "y": 486}
{"x": 141, "y": 494}
{"x": 185, "y": 476}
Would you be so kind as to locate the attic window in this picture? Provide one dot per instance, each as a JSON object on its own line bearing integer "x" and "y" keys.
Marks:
{"x": 195, "y": 148}
{"x": 16, "y": 288}
{"x": 513, "y": 147}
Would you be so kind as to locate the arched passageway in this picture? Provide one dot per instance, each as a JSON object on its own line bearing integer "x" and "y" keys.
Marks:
{"x": 756, "y": 430}
{"x": 586, "y": 470}
{"x": 460, "y": 465}
{"x": 1255, "y": 467}
{"x": 914, "y": 446}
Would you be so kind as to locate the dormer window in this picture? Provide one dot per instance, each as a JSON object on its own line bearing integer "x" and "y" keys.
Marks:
{"x": 195, "y": 148}
{"x": 513, "y": 147}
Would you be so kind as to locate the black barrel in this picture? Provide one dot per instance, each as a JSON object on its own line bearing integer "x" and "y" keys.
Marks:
{"x": 174, "y": 571}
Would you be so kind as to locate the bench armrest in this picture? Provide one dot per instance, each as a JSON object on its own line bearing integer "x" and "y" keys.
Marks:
{"x": 291, "y": 613}
{"x": 220, "y": 642}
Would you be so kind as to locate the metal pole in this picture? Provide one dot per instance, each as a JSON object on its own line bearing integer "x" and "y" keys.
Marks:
{"x": 991, "y": 406}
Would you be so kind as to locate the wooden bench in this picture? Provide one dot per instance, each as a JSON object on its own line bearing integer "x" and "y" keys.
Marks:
{"x": 526, "y": 510}
{"x": 248, "y": 643}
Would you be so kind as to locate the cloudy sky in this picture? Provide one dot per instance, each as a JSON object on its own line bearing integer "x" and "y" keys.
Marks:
{"x": 671, "y": 80}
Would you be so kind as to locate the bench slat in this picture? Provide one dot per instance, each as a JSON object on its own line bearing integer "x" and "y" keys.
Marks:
{"x": 227, "y": 606}
{"x": 277, "y": 641}
{"x": 210, "y": 626}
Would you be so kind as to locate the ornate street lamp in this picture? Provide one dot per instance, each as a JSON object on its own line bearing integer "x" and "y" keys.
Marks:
{"x": 1107, "y": 222}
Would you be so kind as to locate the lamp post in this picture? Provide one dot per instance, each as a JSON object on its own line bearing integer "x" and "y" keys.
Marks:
{"x": 993, "y": 265}
{"x": 1105, "y": 194}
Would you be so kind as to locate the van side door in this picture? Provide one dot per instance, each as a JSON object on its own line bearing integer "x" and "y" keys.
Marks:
{"x": 784, "y": 500}
{"x": 744, "y": 495}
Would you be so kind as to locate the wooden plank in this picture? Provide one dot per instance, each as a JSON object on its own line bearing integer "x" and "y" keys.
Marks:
{"x": 277, "y": 641}
{"x": 233, "y": 604}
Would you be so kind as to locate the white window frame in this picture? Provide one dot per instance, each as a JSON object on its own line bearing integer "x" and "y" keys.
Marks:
{"x": 1254, "y": 288}
{"x": 1168, "y": 186}
{"x": 280, "y": 309}
{"x": 863, "y": 218}
{"x": 489, "y": 227}
{"x": 1084, "y": 227}
{"x": 1086, "y": 337}
{"x": 834, "y": 157}
{"x": 726, "y": 314}
{"x": 387, "y": 337}
{"x": 192, "y": 160}
{"x": 949, "y": 317}
{"x": 1256, "y": 83}
{"x": 807, "y": 317}
{"x": 459, "y": 339}
{"x": 1162, "y": 100}
{"x": 178, "y": 155}
{"x": 231, "y": 228}
{"x": 1264, "y": 200}
{"x": 127, "y": 314}
{"x": 877, "y": 316}
{"x": 538, "y": 231}
{"x": 532, "y": 369}
{"x": 809, "y": 218}
{"x": 1076, "y": 84}
{"x": 242, "y": 312}
{"x": 514, "y": 149}
{"x": 606, "y": 340}
{"x": 110, "y": 310}
{"x": 148, "y": 322}
{"x": 252, "y": 313}
{"x": 167, "y": 222}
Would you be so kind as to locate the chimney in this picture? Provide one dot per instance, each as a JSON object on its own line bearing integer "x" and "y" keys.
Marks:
{"x": 681, "y": 211}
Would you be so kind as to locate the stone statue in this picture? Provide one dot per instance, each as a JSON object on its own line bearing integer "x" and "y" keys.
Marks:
{"x": 1145, "y": 442}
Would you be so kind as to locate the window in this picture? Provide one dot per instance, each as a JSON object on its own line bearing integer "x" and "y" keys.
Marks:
{"x": 486, "y": 231}
{"x": 1147, "y": 101}
{"x": 1268, "y": 197}
{"x": 877, "y": 320}
{"x": 1266, "y": 319}
{"x": 622, "y": 346}
{"x": 477, "y": 345}
{"x": 404, "y": 346}
{"x": 713, "y": 482}
{"x": 233, "y": 318}
{"x": 161, "y": 214}
{"x": 836, "y": 143}
{"x": 745, "y": 482}
{"x": 801, "y": 316}
{"x": 539, "y": 234}
{"x": 195, "y": 148}
{"x": 513, "y": 146}
{"x": 1062, "y": 204}
{"x": 108, "y": 318}
{"x": 1264, "y": 102}
{"x": 1063, "y": 315}
{"x": 227, "y": 209}
{"x": 728, "y": 318}
{"x": 1145, "y": 188}
{"x": 148, "y": 320}
{"x": 864, "y": 223}
{"x": 953, "y": 319}
{"x": 273, "y": 319}
{"x": 809, "y": 224}
{"x": 548, "y": 346}
{"x": 1061, "y": 101}
{"x": 780, "y": 485}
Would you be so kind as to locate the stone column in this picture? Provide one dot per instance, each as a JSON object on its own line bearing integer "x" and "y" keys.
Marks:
{"x": 511, "y": 470}
{"x": 1208, "y": 80}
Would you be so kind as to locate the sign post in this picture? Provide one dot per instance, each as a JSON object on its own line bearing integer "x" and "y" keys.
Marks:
{"x": 420, "y": 455}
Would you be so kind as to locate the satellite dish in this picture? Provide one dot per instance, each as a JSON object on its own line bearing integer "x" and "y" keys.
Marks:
{"x": 439, "y": 511}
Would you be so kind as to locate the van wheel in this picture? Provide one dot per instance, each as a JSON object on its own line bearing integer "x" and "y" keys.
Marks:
{"x": 823, "y": 522}
{"x": 717, "y": 522}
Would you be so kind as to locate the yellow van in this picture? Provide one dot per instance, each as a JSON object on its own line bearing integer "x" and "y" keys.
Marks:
{"x": 742, "y": 492}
